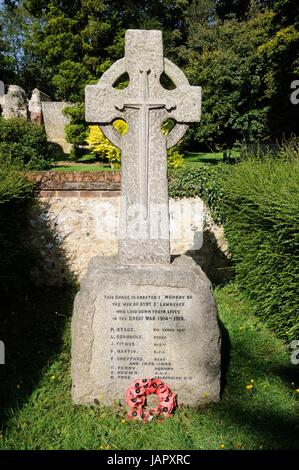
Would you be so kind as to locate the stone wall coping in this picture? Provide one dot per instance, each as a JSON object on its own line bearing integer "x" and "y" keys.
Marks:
{"x": 73, "y": 181}
{"x": 78, "y": 194}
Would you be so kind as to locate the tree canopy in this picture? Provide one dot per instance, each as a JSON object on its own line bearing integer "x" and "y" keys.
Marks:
{"x": 244, "y": 54}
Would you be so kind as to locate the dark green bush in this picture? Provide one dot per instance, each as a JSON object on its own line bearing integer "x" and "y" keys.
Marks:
{"x": 24, "y": 144}
{"x": 205, "y": 182}
{"x": 15, "y": 195}
{"x": 261, "y": 209}
{"x": 77, "y": 130}
{"x": 14, "y": 186}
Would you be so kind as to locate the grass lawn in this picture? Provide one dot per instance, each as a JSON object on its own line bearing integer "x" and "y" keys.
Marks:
{"x": 38, "y": 412}
{"x": 82, "y": 167}
{"x": 196, "y": 159}
{"x": 192, "y": 159}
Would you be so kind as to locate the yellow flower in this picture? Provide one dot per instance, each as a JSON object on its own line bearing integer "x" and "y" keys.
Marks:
{"x": 105, "y": 447}
{"x": 249, "y": 387}
{"x": 53, "y": 377}
{"x": 123, "y": 421}
{"x": 222, "y": 446}
{"x": 297, "y": 390}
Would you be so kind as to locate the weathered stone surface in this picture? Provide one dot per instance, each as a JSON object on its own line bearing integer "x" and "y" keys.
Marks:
{"x": 2, "y": 353}
{"x": 138, "y": 315}
{"x": 76, "y": 180}
{"x": 35, "y": 106}
{"x": 2, "y": 90}
{"x": 144, "y": 105}
{"x": 14, "y": 104}
{"x": 55, "y": 122}
{"x": 135, "y": 321}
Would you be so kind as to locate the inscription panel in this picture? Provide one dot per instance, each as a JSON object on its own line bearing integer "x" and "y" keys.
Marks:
{"x": 147, "y": 331}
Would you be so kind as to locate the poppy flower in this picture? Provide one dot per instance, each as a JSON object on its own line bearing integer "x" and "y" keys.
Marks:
{"x": 135, "y": 398}
{"x": 154, "y": 385}
{"x": 135, "y": 414}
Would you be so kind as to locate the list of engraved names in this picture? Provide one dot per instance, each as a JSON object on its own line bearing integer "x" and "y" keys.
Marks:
{"x": 145, "y": 331}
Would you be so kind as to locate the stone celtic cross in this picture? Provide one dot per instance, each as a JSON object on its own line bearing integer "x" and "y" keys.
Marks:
{"x": 144, "y": 104}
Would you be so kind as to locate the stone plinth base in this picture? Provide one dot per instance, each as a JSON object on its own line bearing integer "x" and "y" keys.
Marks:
{"x": 132, "y": 322}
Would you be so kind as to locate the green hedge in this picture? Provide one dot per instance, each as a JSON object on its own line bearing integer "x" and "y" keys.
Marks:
{"x": 205, "y": 182}
{"x": 261, "y": 209}
{"x": 24, "y": 144}
{"x": 15, "y": 260}
{"x": 14, "y": 186}
{"x": 77, "y": 130}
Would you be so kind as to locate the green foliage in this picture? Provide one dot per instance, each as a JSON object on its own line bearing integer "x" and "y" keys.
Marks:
{"x": 69, "y": 43}
{"x": 76, "y": 131}
{"x": 105, "y": 150}
{"x": 261, "y": 223}
{"x": 245, "y": 58}
{"x": 289, "y": 150}
{"x": 175, "y": 159}
{"x": 14, "y": 186}
{"x": 228, "y": 8}
{"x": 15, "y": 193}
{"x": 204, "y": 182}
{"x": 24, "y": 144}
{"x": 244, "y": 54}
{"x": 10, "y": 41}
{"x": 279, "y": 56}
{"x": 70, "y": 80}
{"x": 102, "y": 147}
{"x": 223, "y": 59}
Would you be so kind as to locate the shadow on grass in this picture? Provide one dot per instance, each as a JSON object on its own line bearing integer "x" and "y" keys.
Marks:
{"x": 252, "y": 355}
{"x": 225, "y": 356}
{"x": 273, "y": 429}
{"x": 271, "y": 423}
{"x": 32, "y": 318}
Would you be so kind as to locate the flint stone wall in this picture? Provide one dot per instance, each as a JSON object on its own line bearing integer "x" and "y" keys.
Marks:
{"x": 76, "y": 217}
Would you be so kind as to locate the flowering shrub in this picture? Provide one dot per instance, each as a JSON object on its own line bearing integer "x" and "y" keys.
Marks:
{"x": 175, "y": 158}
{"x": 104, "y": 149}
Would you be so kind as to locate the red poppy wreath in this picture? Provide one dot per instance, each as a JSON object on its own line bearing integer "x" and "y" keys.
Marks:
{"x": 138, "y": 393}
